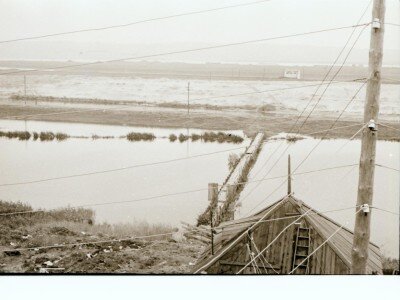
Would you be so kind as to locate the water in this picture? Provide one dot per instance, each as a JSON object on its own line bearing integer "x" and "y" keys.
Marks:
{"x": 173, "y": 90}
{"x": 331, "y": 189}
{"x": 327, "y": 190}
{"x": 31, "y": 160}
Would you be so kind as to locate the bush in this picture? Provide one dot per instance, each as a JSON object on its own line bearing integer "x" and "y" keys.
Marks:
{"x": 195, "y": 137}
{"x": 137, "y": 136}
{"x": 172, "y": 137}
{"x": 61, "y": 136}
{"x": 183, "y": 138}
{"x": 46, "y": 136}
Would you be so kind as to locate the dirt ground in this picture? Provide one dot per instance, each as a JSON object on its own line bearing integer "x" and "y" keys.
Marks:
{"x": 249, "y": 119}
{"x": 62, "y": 241}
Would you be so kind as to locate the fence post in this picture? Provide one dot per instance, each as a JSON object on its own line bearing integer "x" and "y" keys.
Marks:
{"x": 213, "y": 199}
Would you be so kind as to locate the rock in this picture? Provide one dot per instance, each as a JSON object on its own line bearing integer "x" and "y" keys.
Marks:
{"x": 43, "y": 270}
{"x": 12, "y": 253}
{"x": 48, "y": 263}
{"x": 178, "y": 236}
{"x": 13, "y": 244}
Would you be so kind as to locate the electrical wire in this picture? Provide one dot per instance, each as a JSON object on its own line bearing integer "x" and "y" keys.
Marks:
{"x": 158, "y": 196}
{"x": 196, "y": 99}
{"x": 319, "y": 247}
{"x": 331, "y": 80}
{"x": 386, "y": 167}
{"x": 189, "y": 50}
{"x": 133, "y": 23}
{"x": 274, "y": 240}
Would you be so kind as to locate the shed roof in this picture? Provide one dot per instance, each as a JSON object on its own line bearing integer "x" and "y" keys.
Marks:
{"x": 231, "y": 233}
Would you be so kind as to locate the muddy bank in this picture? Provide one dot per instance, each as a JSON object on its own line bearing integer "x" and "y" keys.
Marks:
{"x": 89, "y": 253}
{"x": 251, "y": 121}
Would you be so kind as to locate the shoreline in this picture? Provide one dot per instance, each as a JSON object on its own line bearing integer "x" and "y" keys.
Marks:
{"x": 248, "y": 119}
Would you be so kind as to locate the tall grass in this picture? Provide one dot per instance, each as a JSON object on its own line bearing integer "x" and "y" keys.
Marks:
{"x": 137, "y": 136}
{"x": 21, "y": 135}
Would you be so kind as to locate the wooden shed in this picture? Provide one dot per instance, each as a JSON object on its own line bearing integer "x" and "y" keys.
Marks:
{"x": 291, "y": 238}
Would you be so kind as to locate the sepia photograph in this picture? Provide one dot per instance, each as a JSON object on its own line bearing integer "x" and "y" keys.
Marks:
{"x": 198, "y": 138}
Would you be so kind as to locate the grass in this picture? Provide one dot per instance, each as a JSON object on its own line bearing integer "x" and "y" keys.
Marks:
{"x": 219, "y": 137}
{"x": 43, "y": 136}
{"x": 52, "y": 226}
{"x": 26, "y": 135}
{"x": 21, "y": 135}
{"x": 172, "y": 137}
{"x": 183, "y": 138}
{"x": 293, "y": 138}
{"x": 137, "y": 136}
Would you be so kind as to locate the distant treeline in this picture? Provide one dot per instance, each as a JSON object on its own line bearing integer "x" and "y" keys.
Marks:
{"x": 219, "y": 137}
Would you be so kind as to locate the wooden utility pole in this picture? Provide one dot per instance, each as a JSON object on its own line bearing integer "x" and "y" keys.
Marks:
{"x": 188, "y": 97}
{"x": 359, "y": 255}
{"x": 213, "y": 199}
{"x": 25, "y": 88}
{"x": 289, "y": 181}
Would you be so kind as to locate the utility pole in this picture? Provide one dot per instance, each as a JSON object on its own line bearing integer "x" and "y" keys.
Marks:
{"x": 213, "y": 199}
{"x": 188, "y": 97}
{"x": 25, "y": 88}
{"x": 289, "y": 182}
{"x": 359, "y": 254}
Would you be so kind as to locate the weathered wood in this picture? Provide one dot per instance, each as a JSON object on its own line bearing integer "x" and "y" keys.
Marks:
{"x": 213, "y": 199}
{"x": 231, "y": 245}
{"x": 289, "y": 182}
{"x": 242, "y": 264}
{"x": 368, "y": 143}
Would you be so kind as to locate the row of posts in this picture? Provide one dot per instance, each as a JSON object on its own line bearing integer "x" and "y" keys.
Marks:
{"x": 218, "y": 216}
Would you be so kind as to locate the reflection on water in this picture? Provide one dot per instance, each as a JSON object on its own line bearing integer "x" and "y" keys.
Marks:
{"x": 333, "y": 189}
{"x": 31, "y": 160}
{"x": 328, "y": 190}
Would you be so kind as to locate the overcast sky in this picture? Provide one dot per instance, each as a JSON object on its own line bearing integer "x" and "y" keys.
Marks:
{"x": 21, "y": 18}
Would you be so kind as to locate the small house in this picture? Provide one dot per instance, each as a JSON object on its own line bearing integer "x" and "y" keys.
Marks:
{"x": 287, "y": 237}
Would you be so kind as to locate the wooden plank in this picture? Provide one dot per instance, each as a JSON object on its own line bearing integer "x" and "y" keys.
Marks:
{"x": 242, "y": 264}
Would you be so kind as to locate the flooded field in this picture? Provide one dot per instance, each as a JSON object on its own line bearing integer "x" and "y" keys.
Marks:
{"x": 330, "y": 189}
{"x": 30, "y": 160}
{"x": 212, "y": 92}
{"x": 327, "y": 190}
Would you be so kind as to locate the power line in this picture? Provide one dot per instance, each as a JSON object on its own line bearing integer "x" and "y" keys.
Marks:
{"x": 393, "y": 24}
{"x": 118, "y": 169}
{"x": 334, "y": 76}
{"x": 386, "y": 167}
{"x": 273, "y": 241}
{"x": 387, "y": 126}
{"x": 127, "y": 239}
{"x": 189, "y": 50}
{"x": 312, "y": 150}
{"x": 89, "y": 243}
{"x": 385, "y": 210}
{"x": 330, "y": 81}
{"x": 323, "y": 243}
{"x": 134, "y": 22}
{"x": 291, "y": 217}
{"x": 198, "y": 99}
{"x": 163, "y": 195}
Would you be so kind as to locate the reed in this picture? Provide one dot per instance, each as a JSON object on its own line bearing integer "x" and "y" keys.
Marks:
{"x": 137, "y": 136}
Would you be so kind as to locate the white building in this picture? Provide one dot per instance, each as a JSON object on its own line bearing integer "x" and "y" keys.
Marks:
{"x": 294, "y": 74}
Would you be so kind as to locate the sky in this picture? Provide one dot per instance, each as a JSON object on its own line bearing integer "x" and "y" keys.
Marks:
{"x": 22, "y": 18}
